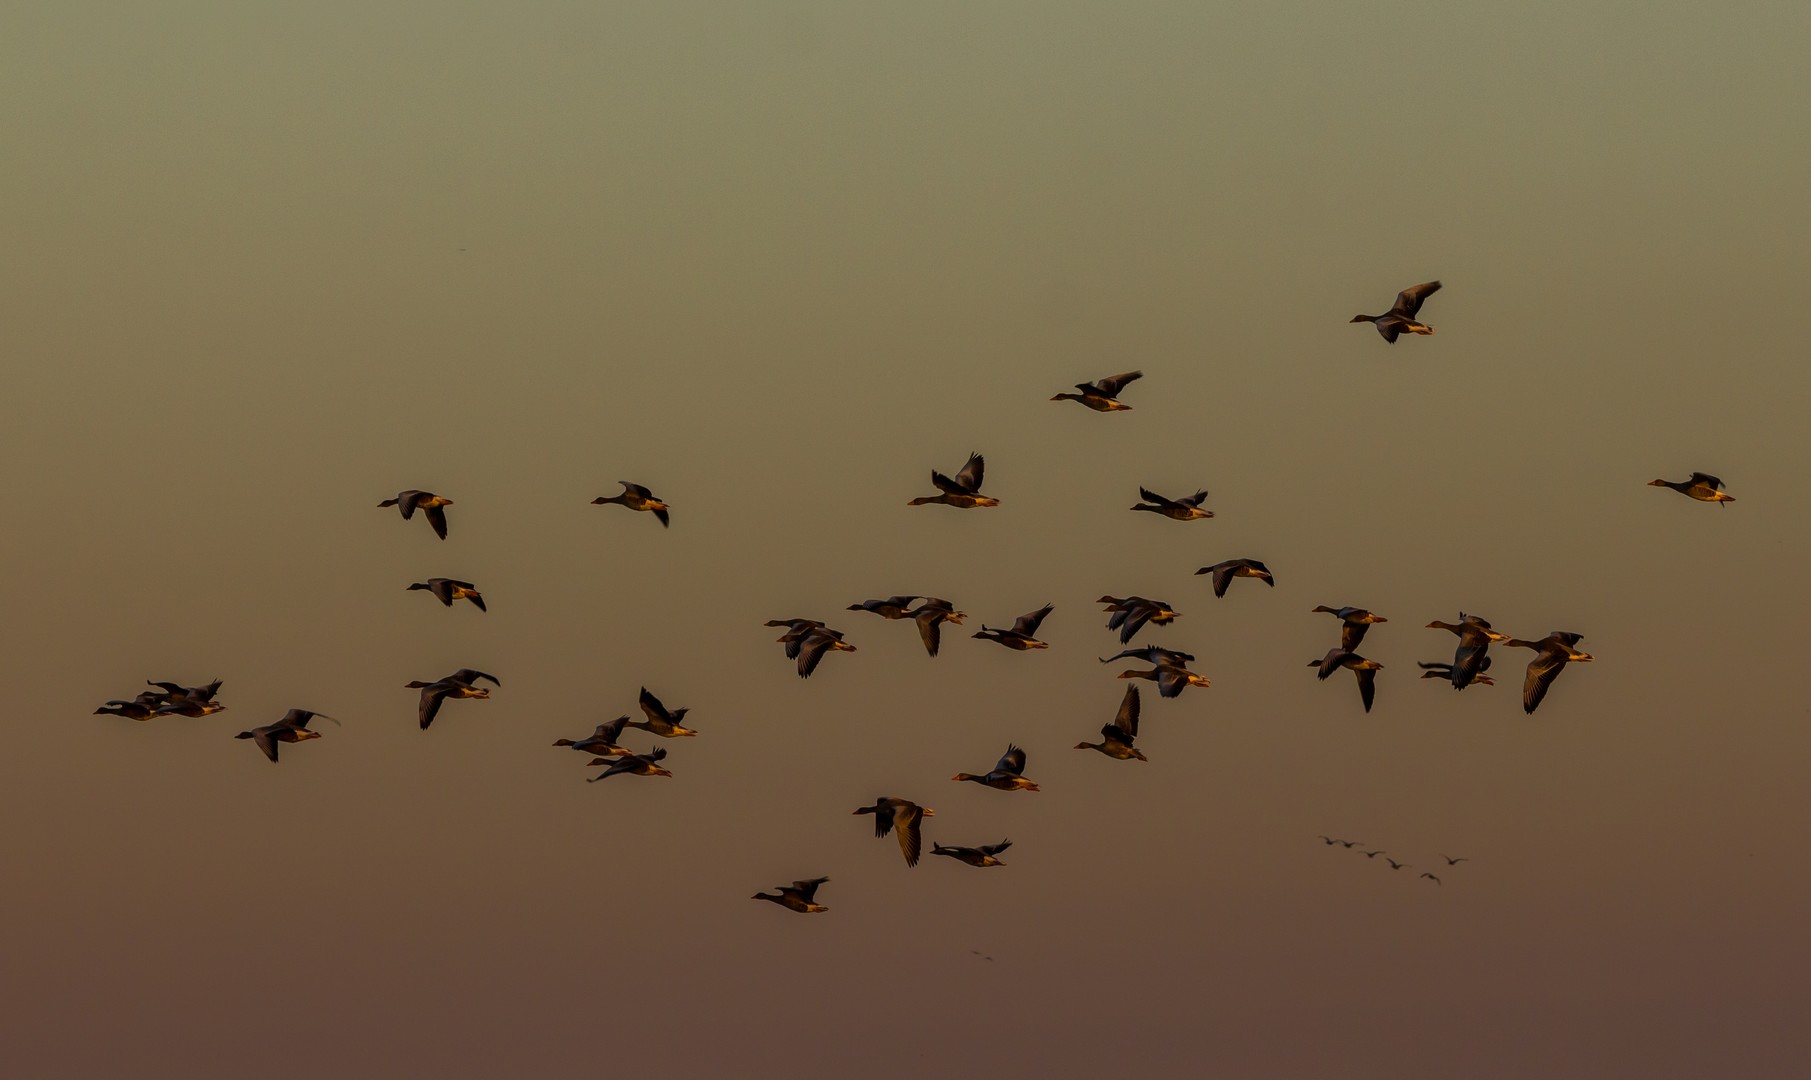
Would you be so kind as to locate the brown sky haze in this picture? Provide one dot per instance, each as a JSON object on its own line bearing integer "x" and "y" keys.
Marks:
{"x": 777, "y": 262}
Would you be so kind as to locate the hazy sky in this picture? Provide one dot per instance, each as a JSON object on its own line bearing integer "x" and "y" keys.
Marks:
{"x": 269, "y": 264}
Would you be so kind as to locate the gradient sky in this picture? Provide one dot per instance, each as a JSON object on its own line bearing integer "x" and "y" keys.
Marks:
{"x": 269, "y": 264}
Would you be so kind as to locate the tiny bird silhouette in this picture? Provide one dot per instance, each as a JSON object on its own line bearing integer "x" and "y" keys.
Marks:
{"x": 1394, "y": 865}
{"x": 1450, "y": 861}
{"x": 1372, "y": 854}
{"x": 1430, "y": 877}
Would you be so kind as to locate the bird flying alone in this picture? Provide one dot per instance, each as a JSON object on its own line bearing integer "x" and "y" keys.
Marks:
{"x": 964, "y": 491}
{"x": 293, "y": 728}
{"x": 902, "y": 816}
{"x": 426, "y": 501}
{"x": 602, "y": 742}
{"x": 799, "y": 896}
{"x": 1701, "y": 486}
{"x": 636, "y": 497}
{"x": 1400, "y": 319}
{"x": 447, "y": 590}
{"x": 1100, "y": 394}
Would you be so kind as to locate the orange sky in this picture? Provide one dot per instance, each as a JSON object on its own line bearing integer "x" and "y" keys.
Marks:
{"x": 777, "y": 262}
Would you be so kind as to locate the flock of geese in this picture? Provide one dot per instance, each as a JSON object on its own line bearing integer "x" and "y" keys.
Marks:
{"x": 807, "y": 641}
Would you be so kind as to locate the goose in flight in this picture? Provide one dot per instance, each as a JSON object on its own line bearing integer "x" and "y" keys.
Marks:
{"x": 1701, "y": 486}
{"x": 1445, "y": 671}
{"x": 636, "y": 497}
{"x": 1131, "y": 613}
{"x": 1184, "y": 509}
{"x": 189, "y": 700}
{"x": 1552, "y": 654}
{"x": 964, "y": 491}
{"x": 1374, "y": 854}
{"x": 1023, "y": 634}
{"x": 815, "y": 644}
{"x": 930, "y": 616}
{"x": 1153, "y": 654}
{"x": 447, "y": 590}
{"x": 1366, "y": 670}
{"x": 1171, "y": 679}
{"x": 1356, "y": 619}
{"x": 1430, "y": 877}
{"x": 1394, "y": 865}
{"x": 799, "y": 896}
{"x": 1099, "y": 395}
{"x": 797, "y": 630}
{"x": 602, "y": 742}
{"x": 973, "y": 856}
{"x": 1117, "y": 737}
{"x": 1224, "y": 572}
{"x": 427, "y": 502}
{"x": 647, "y": 764}
{"x": 1400, "y": 319}
{"x": 1475, "y": 637}
{"x": 902, "y": 816}
{"x": 893, "y": 607}
{"x": 661, "y": 720}
{"x": 457, "y": 685}
{"x": 1006, "y": 774}
{"x": 1450, "y": 861}
{"x": 293, "y": 728}
{"x": 141, "y": 708}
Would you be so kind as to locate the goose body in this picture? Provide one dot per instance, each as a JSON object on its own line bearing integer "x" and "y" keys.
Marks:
{"x": 1006, "y": 775}
{"x": 458, "y": 685}
{"x": 974, "y": 856}
{"x": 636, "y": 497}
{"x": 1552, "y": 654}
{"x": 1023, "y": 634}
{"x": 1171, "y": 679}
{"x": 1101, "y": 394}
{"x": 901, "y": 816}
{"x": 1224, "y": 572}
{"x": 293, "y": 728}
{"x": 660, "y": 720}
{"x": 1701, "y": 486}
{"x": 1129, "y": 615}
{"x": 893, "y": 607}
{"x": 1445, "y": 671}
{"x": 1184, "y": 509}
{"x": 964, "y": 491}
{"x": 799, "y": 896}
{"x": 1475, "y": 638}
{"x": 602, "y": 742}
{"x": 1117, "y": 737}
{"x": 647, "y": 764}
{"x": 426, "y": 501}
{"x": 930, "y": 617}
{"x": 1366, "y": 670}
{"x": 1357, "y": 620}
{"x": 1400, "y": 319}
{"x": 447, "y": 590}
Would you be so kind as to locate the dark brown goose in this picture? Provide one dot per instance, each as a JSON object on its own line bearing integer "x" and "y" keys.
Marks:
{"x": 796, "y": 897}
{"x": 1552, "y": 654}
{"x": 141, "y": 708}
{"x": 1400, "y": 319}
{"x": 457, "y": 685}
{"x": 647, "y": 764}
{"x": 1701, "y": 486}
{"x": 1153, "y": 654}
{"x": 602, "y": 742}
{"x": 930, "y": 617}
{"x": 426, "y": 501}
{"x": 1117, "y": 737}
{"x": 636, "y": 497}
{"x": 1100, "y": 394}
{"x": 1475, "y": 636}
{"x": 893, "y": 607}
{"x": 1129, "y": 615}
{"x": 974, "y": 856}
{"x": 1171, "y": 679}
{"x": 1022, "y": 636}
{"x": 1224, "y": 572}
{"x": 902, "y": 816}
{"x": 1357, "y": 620}
{"x": 661, "y": 720}
{"x": 293, "y": 728}
{"x": 1185, "y": 509}
{"x": 813, "y": 646}
{"x": 1366, "y": 670}
{"x": 964, "y": 492}
{"x": 447, "y": 590}
{"x": 1006, "y": 775}
{"x": 1445, "y": 671}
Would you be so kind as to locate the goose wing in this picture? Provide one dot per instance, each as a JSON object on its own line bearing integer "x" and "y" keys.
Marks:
{"x": 1193, "y": 500}
{"x": 1222, "y": 577}
{"x": 905, "y": 822}
{"x": 930, "y": 621}
{"x": 1170, "y": 681}
{"x": 808, "y": 889}
{"x": 431, "y": 697}
{"x": 635, "y": 489}
{"x": 1027, "y": 624}
{"x": 1152, "y": 497}
{"x": 261, "y": 736}
{"x": 972, "y": 472}
{"x": 1133, "y": 620}
{"x": 437, "y": 518}
{"x": 471, "y": 675}
{"x": 1113, "y": 384}
{"x": 811, "y": 650}
{"x": 1542, "y": 670}
{"x": 1409, "y": 300}
{"x": 1012, "y": 761}
{"x": 1705, "y": 478}
{"x": 653, "y": 708}
{"x": 945, "y": 484}
{"x": 1367, "y": 685}
{"x": 1127, "y": 718}
{"x": 994, "y": 849}
{"x": 1351, "y": 634}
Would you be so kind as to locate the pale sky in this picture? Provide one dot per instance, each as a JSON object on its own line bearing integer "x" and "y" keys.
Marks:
{"x": 270, "y": 264}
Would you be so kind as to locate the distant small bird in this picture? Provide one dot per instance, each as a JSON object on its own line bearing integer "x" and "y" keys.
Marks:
{"x": 1328, "y": 840}
{"x": 903, "y": 816}
{"x": 1185, "y": 509}
{"x": 1357, "y": 620}
{"x": 661, "y": 720}
{"x": 447, "y": 590}
{"x": 1099, "y": 395}
{"x": 974, "y": 856}
{"x": 930, "y": 616}
{"x": 647, "y": 764}
{"x": 893, "y": 607}
{"x": 1366, "y": 670}
{"x": 1701, "y": 486}
{"x": 1394, "y": 865}
{"x": 1400, "y": 319}
{"x": 602, "y": 742}
{"x": 1552, "y": 654}
{"x": 1131, "y": 613}
{"x": 1117, "y": 737}
{"x": 1373, "y": 854}
{"x": 636, "y": 497}
{"x": 796, "y": 897}
{"x": 1006, "y": 774}
{"x": 1023, "y": 634}
{"x": 1171, "y": 679}
{"x": 1430, "y": 877}
{"x": 426, "y": 501}
{"x": 293, "y": 728}
{"x": 964, "y": 492}
{"x": 1450, "y": 861}
{"x": 1224, "y": 572}
{"x": 1349, "y": 844}
{"x": 1153, "y": 654}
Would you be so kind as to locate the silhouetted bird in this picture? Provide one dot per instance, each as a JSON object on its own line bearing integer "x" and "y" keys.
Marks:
{"x": 903, "y": 816}
{"x": 1022, "y": 636}
{"x": 636, "y": 497}
{"x": 1400, "y": 319}
{"x": 426, "y": 501}
{"x": 1701, "y": 486}
{"x": 797, "y": 896}
{"x": 447, "y": 590}
{"x": 1366, "y": 670}
{"x": 293, "y": 728}
{"x": 1224, "y": 572}
{"x": 1117, "y": 737}
{"x": 1185, "y": 509}
{"x": 1357, "y": 620}
{"x": 1006, "y": 774}
{"x": 1552, "y": 654}
{"x": 964, "y": 491}
{"x": 1099, "y": 395}
{"x": 974, "y": 856}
